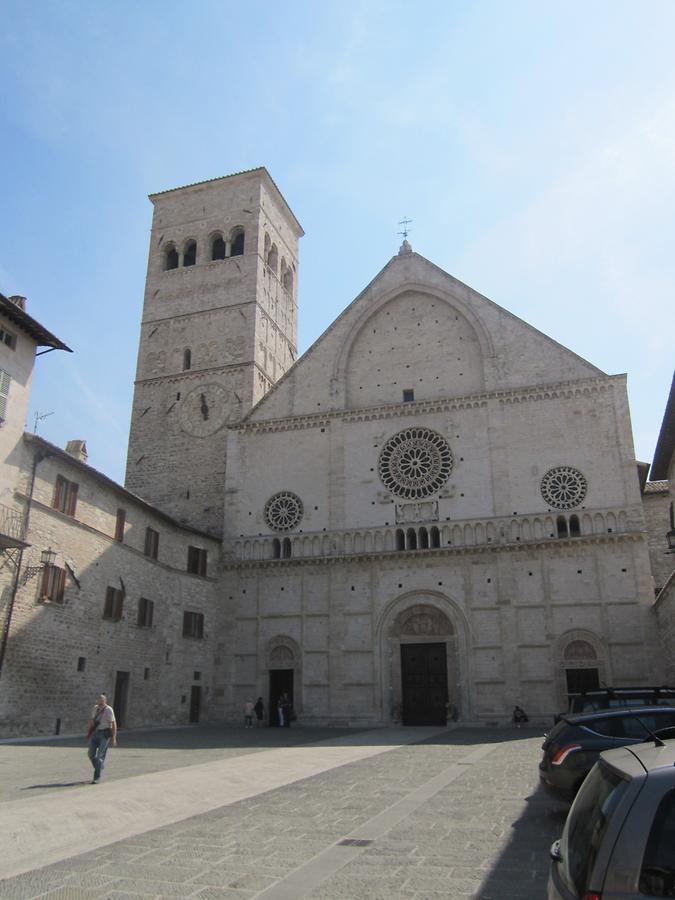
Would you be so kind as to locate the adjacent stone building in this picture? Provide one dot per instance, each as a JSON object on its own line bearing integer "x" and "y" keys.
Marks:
{"x": 435, "y": 512}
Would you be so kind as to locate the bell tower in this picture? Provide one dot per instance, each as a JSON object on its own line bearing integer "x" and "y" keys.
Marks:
{"x": 219, "y": 327}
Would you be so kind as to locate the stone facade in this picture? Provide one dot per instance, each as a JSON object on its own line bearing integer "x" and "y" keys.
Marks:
{"x": 435, "y": 512}
{"x": 522, "y": 585}
{"x": 663, "y": 467}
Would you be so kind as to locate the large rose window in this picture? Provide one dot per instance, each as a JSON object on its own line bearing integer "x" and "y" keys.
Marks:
{"x": 415, "y": 463}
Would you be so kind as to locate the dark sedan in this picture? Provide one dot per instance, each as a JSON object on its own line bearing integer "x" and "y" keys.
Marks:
{"x": 576, "y": 741}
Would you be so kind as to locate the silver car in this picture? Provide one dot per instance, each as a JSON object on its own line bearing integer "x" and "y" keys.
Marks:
{"x": 619, "y": 838}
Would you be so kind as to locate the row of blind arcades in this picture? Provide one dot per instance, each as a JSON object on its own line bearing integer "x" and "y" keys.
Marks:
{"x": 424, "y": 538}
{"x": 219, "y": 246}
{"x": 65, "y": 501}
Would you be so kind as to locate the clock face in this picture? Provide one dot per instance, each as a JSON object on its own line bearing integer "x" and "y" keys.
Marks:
{"x": 204, "y": 410}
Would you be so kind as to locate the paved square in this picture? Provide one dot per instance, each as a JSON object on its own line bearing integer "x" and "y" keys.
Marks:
{"x": 323, "y": 813}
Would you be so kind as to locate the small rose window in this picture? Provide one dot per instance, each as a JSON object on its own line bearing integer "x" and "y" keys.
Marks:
{"x": 283, "y": 511}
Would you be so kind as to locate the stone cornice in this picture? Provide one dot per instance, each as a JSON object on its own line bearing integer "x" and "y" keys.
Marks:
{"x": 559, "y": 390}
{"x": 195, "y": 374}
{"x": 559, "y": 547}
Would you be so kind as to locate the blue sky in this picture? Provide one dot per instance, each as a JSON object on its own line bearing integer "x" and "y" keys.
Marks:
{"x": 532, "y": 144}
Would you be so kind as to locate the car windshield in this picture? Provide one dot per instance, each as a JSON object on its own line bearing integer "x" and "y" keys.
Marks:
{"x": 586, "y": 825}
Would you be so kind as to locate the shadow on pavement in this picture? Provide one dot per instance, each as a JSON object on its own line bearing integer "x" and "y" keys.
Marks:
{"x": 205, "y": 737}
{"x": 56, "y": 784}
{"x": 521, "y": 872}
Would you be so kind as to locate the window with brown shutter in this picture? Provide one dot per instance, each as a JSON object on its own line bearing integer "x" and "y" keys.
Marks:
{"x": 151, "y": 543}
{"x": 65, "y": 495}
{"x": 114, "y": 601}
{"x": 193, "y": 624}
{"x": 119, "y": 525}
{"x": 196, "y": 561}
{"x": 145, "y": 611}
{"x": 53, "y": 584}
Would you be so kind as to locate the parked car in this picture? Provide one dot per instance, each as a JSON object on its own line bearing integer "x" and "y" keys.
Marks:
{"x": 619, "y": 837}
{"x": 574, "y": 744}
{"x": 615, "y": 697}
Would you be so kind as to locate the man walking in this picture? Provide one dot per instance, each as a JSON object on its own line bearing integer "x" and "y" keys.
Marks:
{"x": 102, "y": 732}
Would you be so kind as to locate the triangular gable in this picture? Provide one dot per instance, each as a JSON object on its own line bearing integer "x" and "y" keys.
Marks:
{"x": 467, "y": 345}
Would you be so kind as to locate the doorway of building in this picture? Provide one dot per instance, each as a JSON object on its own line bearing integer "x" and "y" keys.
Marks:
{"x": 580, "y": 680}
{"x": 424, "y": 683}
{"x": 195, "y": 702}
{"x": 121, "y": 697}
{"x": 281, "y": 682}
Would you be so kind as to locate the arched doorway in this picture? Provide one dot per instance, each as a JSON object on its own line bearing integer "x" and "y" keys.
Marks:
{"x": 422, "y": 657}
{"x": 283, "y": 655}
{"x": 581, "y": 664}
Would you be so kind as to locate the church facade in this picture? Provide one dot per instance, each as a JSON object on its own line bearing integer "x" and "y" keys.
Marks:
{"x": 434, "y": 513}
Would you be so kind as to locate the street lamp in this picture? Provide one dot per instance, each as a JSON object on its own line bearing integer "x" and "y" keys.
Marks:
{"x": 47, "y": 558}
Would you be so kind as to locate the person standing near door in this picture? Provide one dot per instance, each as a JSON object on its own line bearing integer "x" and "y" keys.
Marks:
{"x": 259, "y": 711}
{"x": 102, "y": 732}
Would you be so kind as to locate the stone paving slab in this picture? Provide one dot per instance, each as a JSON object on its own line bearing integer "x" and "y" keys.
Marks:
{"x": 41, "y": 829}
{"x": 482, "y": 834}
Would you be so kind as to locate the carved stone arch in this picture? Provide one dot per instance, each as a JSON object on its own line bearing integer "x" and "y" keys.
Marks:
{"x": 284, "y": 652}
{"x": 420, "y": 617}
{"x": 579, "y": 649}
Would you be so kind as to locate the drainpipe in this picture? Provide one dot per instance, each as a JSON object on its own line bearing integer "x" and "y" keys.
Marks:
{"x": 37, "y": 459}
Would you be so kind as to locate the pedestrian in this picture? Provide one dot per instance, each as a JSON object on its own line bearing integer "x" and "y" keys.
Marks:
{"x": 287, "y": 707}
{"x": 519, "y": 716}
{"x": 102, "y": 732}
{"x": 259, "y": 711}
{"x": 280, "y": 710}
{"x": 248, "y": 714}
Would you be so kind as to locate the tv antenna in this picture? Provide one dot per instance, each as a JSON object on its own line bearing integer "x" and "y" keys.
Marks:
{"x": 38, "y": 418}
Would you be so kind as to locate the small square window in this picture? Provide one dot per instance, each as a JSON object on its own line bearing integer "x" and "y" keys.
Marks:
{"x": 81, "y": 662}
{"x": 7, "y": 337}
{"x": 408, "y": 395}
{"x": 193, "y": 625}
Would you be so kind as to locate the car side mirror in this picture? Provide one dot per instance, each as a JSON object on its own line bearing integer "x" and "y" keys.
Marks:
{"x": 554, "y": 852}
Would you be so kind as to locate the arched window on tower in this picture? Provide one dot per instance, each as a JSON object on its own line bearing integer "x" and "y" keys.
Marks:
{"x": 187, "y": 359}
{"x": 287, "y": 280}
{"x": 282, "y": 270}
{"x": 170, "y": 257}
{"x": 217, "y": 247}
{"x": 273, "y": 259}
{"x": 237, "y": 242}
{"x": 190, "y": 253}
